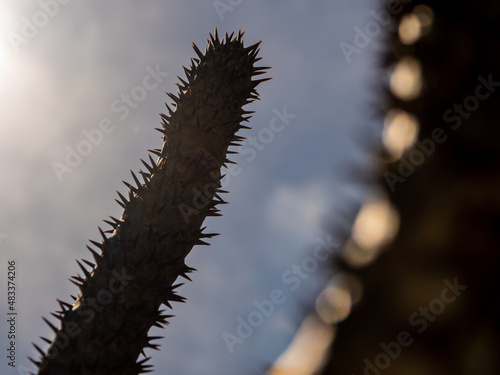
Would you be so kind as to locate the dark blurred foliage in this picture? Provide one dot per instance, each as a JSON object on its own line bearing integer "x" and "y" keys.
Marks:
{"x": 449, "y": 209}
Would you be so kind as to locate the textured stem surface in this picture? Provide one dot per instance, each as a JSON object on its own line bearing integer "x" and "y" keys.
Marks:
{"x": 106, "y": 329}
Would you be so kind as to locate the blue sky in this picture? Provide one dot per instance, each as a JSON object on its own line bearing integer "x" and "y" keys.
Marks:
{"x": 64, "y": 78}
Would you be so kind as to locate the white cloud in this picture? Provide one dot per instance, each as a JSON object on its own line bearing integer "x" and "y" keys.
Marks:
{"x": 299, "y": 211}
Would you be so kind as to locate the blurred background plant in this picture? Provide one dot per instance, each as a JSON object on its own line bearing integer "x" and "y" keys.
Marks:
{"x": 415, "y": 290}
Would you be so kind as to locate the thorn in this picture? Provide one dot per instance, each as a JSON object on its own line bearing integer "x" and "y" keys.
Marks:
{"x": 56, "y": 316}
{"x": 79, "y": 285}
{"x": 85, "y": 272}
{"x": 257, "y": 68}
{"x": 188, "y": 73}
{"x": 185, "y": 276}
{"x": 96, "y": 244}
{"x": 38, "y": 349}
{"x": 148, "y": 167}
{"x": 181, "y": 89}
{"x": 253, "y": 47}
{"x": 256, "y": 73}
{"x": 201, "y": 242}
{"x": 183, "y": 82}
{"x": 64, "y": 304}
{"x": 117, "y": 221}
{"x": 158, "y": 325}
{"x": 53, "y": 327}
{"x": 169, "y": 110}
{"x": 145, "y": 176}
{"x": 209, "y": 235}
{"x": 215, "y": 38}
{"x": 194, "y": 63}
{"x": 124, "y": 200}
{"x": 120, "y": 203}
{"x": 96, "y": 256}
{"x": 189, "y": 269}
{"x": 219, "y": 201}
{"x": 152, "y": 338}
{"x": 88, "y": 263}
{"x": 176, "y": 286}
{"x": 165, "y": 118}
{"x": 257, "y": 81}
{"x": 77, "y": 277}
{"x": 157, "y": 153}
{"x": 214, "y": 213}
{"x": 128, "y": 186}
{"x": 104, "y": 238}
{"x": 36, "y": 363}
{"x": 240, "y": 34}
{"x": 153, "y": 164}
{"x": 142, "y": 367}
{"x": 197, "y": 50}
{"x": 137, "y": 182}
{"x": 173, "y": 97}
{"x": 143, "y": 360}
{"x": 45, "y": 339}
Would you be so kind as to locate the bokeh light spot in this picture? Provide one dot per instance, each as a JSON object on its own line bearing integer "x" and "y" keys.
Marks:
{"x": 400, "y": 131}
{"x": 376, "y": 224}
{"x": 406, "y": 79}
{"x": 409, "y": 29}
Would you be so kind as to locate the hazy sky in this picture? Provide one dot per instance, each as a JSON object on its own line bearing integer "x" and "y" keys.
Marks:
{"x": 65, "y": 67}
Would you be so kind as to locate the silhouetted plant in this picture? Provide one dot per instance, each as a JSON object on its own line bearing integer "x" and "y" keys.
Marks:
{"x": 106, "y": 329}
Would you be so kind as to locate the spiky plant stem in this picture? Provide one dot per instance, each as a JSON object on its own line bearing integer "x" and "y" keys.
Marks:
{"x": 106, "y": 329}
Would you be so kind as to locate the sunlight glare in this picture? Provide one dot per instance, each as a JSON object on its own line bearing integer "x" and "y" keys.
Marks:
{"x": 6, "y": 54}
